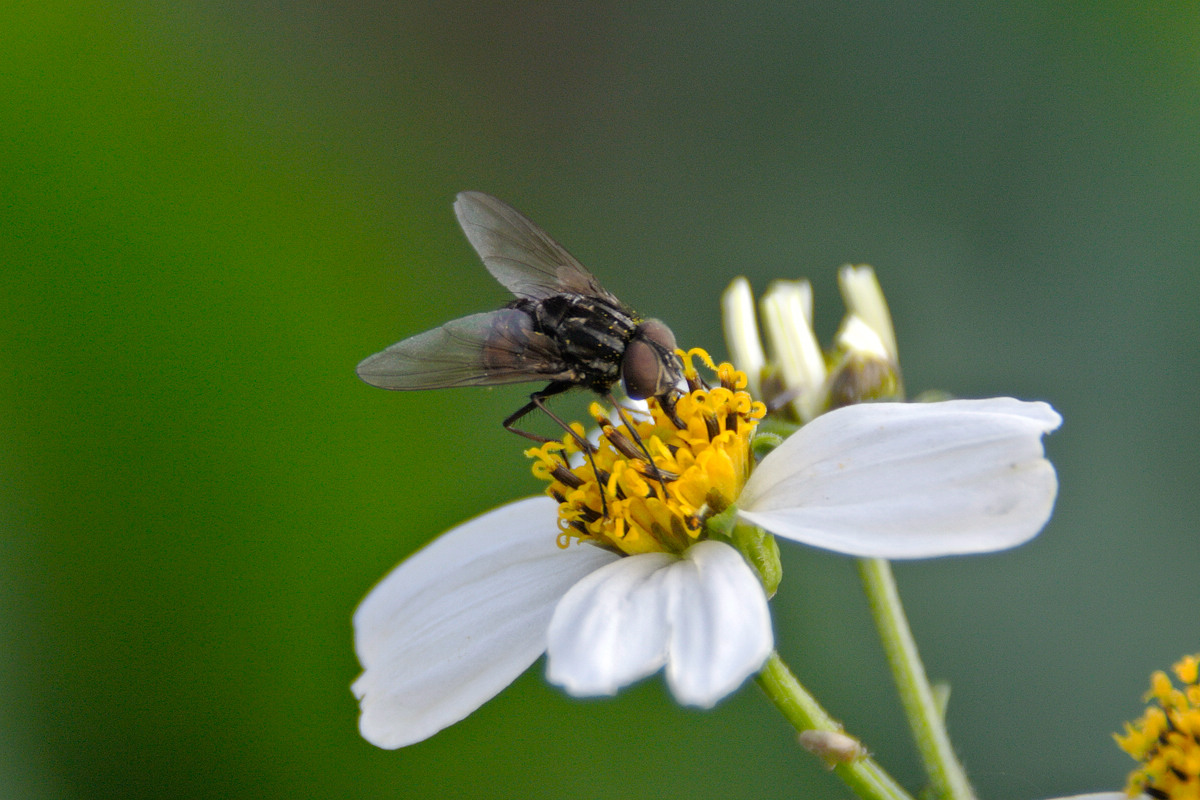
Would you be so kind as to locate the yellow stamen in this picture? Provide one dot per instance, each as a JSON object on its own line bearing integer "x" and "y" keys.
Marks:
{"x": 1166, "y": 740}
{"x": 635, "y": 504}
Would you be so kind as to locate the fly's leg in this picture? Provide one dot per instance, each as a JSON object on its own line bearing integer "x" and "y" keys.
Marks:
{"x": 668, "y": 401}
{"x": 537, "y": 400}
{"x": 652, "y": 468}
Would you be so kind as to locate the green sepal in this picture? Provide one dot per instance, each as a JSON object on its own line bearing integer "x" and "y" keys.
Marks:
{"x": 761, "y": 550}
{"x": 772, "y": 426}
{"x": 763, "y": 443}
{"x": 720, "y": 526}
{"x": 756, "y": 545}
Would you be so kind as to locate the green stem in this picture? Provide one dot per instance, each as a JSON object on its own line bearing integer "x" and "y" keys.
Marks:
{"x": 946, "y": 775}
{"x": 864, "y": 777}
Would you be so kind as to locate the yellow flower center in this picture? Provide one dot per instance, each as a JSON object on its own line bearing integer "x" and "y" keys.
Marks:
{"x": 654, "y": 477}
{"x": 1166, "y": 740}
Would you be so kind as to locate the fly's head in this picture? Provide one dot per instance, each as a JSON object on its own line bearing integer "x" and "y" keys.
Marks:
{"x": 650, "y": 367}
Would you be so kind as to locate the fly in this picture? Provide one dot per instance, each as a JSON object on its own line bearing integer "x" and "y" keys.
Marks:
{"x": 563, "y": 328}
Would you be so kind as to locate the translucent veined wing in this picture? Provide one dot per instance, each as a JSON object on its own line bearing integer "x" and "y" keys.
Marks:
{"x": 479, "y": 350}
{"x": 519, "y": 254}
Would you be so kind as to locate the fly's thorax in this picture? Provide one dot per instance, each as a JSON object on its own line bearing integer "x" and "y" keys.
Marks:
{"x": 591, "y": 333}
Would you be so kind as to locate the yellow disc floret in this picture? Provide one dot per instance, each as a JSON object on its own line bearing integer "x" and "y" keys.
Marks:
{"x": 1166, "y": 740}
{"x": 655, "y": 475}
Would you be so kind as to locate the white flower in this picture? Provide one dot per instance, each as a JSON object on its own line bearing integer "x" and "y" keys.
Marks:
{"x": 458, "y": 621}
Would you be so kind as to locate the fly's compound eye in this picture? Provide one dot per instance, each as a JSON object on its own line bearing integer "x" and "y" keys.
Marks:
{"x": 649, "y": 368}
{"x": 657, "y": 331}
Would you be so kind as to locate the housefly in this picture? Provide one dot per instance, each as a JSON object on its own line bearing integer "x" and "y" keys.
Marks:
{"x": 563, "y": 328}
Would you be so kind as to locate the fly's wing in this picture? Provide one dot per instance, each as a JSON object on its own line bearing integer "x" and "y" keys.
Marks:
{"x": 480, "y": 350}
{"x": 519, "y": 254}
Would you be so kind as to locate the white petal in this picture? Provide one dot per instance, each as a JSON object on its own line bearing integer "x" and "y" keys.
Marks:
{"x": 859, "y": 338}
{"x": 910, "y": 480}
{"x": 787, "y": 317}
{"x": 864, "y": 298}
{"x": 741, "y": 331}
{"x": 459, "y": 620}
{"x": 720, "y": 624}
{"x": 704, "y": 615}
{"x": 611, "y": 627}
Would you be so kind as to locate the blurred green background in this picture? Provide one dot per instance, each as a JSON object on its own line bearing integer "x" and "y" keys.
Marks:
{"x": 212, "y": 211}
